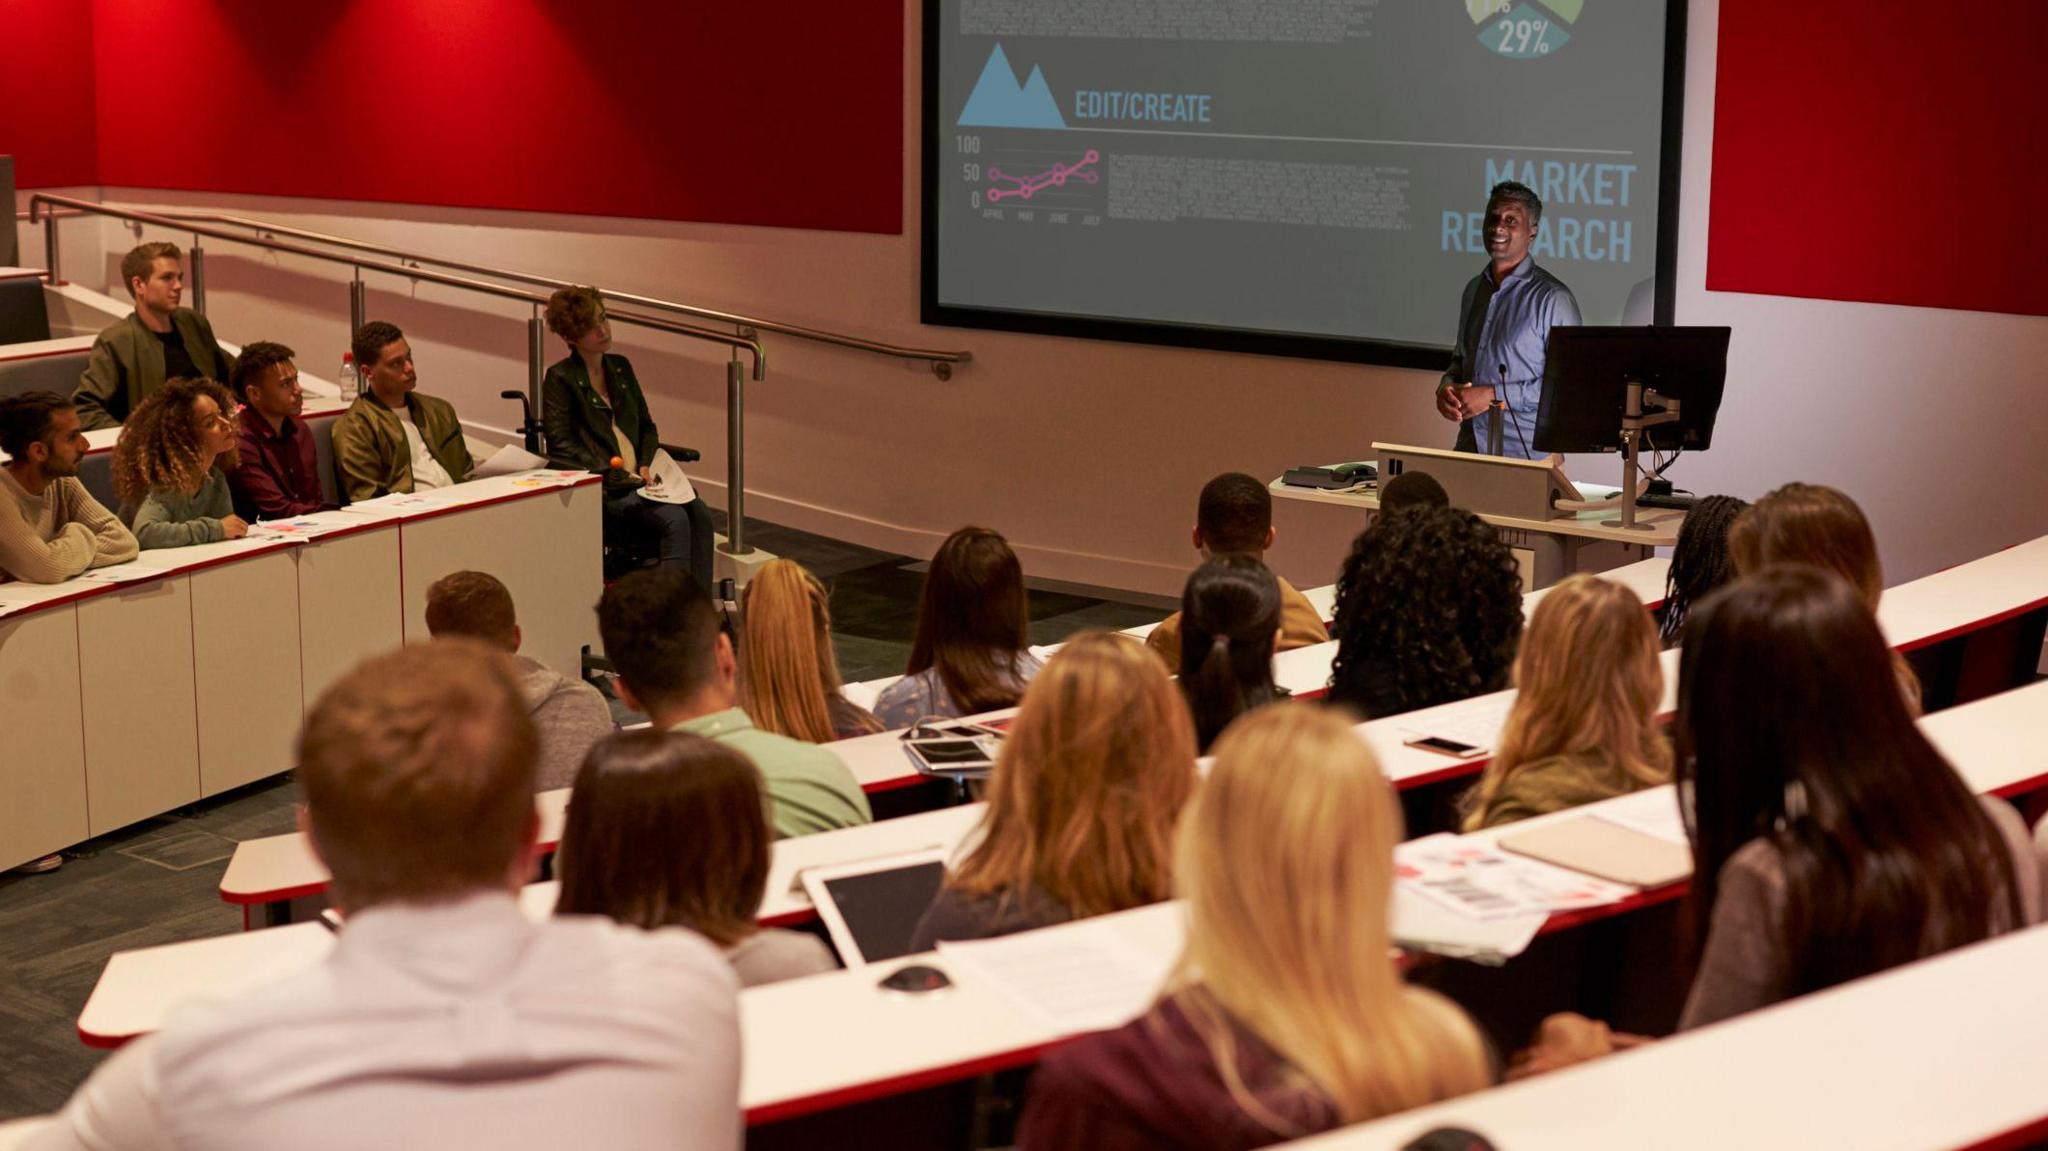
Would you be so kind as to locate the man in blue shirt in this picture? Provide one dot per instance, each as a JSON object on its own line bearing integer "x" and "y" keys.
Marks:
{"x": 1504, "y": 323}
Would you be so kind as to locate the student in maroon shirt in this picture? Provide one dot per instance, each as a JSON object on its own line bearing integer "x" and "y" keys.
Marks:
{"x": 279, "y": 474}
{"x": 1286, "y": 1015}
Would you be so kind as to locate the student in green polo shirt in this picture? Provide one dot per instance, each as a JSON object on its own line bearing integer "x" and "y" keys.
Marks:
{"x": 661, "y": 634}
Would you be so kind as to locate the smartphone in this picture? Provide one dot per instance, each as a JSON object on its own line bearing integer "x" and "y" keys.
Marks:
{"x": 1442, "y": 746}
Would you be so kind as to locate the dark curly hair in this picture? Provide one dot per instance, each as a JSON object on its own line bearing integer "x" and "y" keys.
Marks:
{"x": 1700, "y": 562}
{"x": 255, "y": 360}
{"x": 571, "y": 312}
{"x": 161, "y": 447}
{"x": 1429, "y": 610}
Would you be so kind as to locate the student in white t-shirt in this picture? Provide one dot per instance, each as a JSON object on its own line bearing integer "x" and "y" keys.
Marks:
{"x": 443, "y": 1016}
{"x": 395, "y": 438}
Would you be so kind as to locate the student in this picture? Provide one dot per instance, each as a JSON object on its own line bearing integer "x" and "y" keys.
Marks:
{"x": 1429, "y": 607}
{"x": 1812, "y": 524}
{"x": 51, "y": 528}
{"x": 661, "y": 633}
{"x": 442, "y": 1017}
{"x": 1235, "y": 517}
{"x": 278, "y": 475}
{"x": 156, "y": 342}
{"x": 570, "y": 716}
{"x": 395, "y": 438}
{"x": 789, "y": 676}
{"x": 1412, "y": 489}
{"x": 171, "y": 465}
{"x": 1231, "y": 623}
{"x": 970, "y": 652}
{"x": 595, "y": 414}
{"x": 1830, "y": 839}
{"x": 670, "y": 830}
{"x": 1082, "y": 801}
{"x": 1286, "y": 1015}
{"x": 1700, "y": 563}
{"x": 1584, "y": 725}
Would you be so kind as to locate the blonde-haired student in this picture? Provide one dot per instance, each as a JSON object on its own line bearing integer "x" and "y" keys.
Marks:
{"x": 1082, "y": 802}
{"x": 789, "y": 675}
{"x": 1584, "y": 725}
{"x": 1286, "y": 1015}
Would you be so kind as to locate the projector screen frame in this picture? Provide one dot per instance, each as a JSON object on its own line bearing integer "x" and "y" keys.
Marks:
{"x": 1264, "y": 342}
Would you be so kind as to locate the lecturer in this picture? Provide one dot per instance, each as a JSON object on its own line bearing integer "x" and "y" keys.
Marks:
{"x": 1503, "y": 324}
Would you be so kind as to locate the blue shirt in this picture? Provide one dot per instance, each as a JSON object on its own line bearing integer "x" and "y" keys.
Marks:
{"x": 1512, "y": 330}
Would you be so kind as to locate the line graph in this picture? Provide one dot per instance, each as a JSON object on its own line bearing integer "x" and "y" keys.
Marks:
{"x": 1026, "y": 186}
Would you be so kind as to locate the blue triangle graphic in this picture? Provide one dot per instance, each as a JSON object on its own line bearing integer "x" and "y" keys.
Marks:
{"x": 999, "y": 102}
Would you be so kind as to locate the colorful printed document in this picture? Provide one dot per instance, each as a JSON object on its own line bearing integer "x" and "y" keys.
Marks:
{"x": 1474, "y": 878}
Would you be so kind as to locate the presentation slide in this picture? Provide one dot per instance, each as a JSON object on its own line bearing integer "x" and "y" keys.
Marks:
{"x": 1287, "y": 168}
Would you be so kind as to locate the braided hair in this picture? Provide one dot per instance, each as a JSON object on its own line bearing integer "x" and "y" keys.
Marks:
{"x": 1700, "y": 562}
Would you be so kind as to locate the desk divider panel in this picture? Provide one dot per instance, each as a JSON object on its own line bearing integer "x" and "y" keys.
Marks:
{"x": 502, "y": 540}
{"x": 349, "y": 605}
{"x": 42, "y": 773}
{"x": 141, "y": 715}
{"x": 245, "y": 647}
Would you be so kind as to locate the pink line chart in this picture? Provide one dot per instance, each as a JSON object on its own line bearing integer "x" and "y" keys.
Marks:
{"x": 1026, "y": 187}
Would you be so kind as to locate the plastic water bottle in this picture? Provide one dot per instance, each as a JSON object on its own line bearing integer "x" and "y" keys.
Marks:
{"x": 350, "y": 382}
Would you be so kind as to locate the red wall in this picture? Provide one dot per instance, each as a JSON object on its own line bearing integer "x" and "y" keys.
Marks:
{"x": 784, "y": 114}
{"x": 1885, "y": 152}
{"x": 46, "y": 92}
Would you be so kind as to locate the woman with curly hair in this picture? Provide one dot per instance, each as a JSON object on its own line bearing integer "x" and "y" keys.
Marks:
{"x": 171, "y": 465}
{"x": 1429, "y": 609}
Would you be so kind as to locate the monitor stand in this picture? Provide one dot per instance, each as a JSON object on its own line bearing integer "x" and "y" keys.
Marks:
{"x": 1633, "y": 422}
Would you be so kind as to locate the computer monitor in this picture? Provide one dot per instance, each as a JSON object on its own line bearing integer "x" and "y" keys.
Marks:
{"x": 1585, "y": 386}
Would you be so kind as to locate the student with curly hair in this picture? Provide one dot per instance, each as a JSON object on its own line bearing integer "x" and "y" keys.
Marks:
{"x": 171, "y": 465}
{"x": 1700, "y": 563}
{"x": 597, "y": 421}
{"x": 1429, "y": 610}
{"x": 1584, "y": 726}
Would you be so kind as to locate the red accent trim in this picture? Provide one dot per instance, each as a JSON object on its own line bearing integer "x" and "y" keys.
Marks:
{"x": 279, "y": 895}
{"x": 2028, "y": 1135}
{"x": 900, "y": 1084}
{"x": 25, "y": 274}
{"x": 1978, "y": 625}
{"x": 789, "y": 918}
{"x": 24, "y": 357}
{"x": 102, "y": 1042}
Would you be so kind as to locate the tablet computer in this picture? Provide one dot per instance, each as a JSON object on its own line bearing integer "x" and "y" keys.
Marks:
{"x": 871, "y": 908}
{"x": 1604, "y": 850}
{"x": 954, "y": 751}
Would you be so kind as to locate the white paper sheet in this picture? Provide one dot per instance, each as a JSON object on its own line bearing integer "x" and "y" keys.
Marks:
{"x": 1421, "y": 924}
{"x": 1474, "y": 878}
{"x": 1478, "y": 724}
{"x": 508, "y": 460}
{"x": 670, "y": 485}
{"x": 1075, "y": 980}
{"x": 1654, "y": 813}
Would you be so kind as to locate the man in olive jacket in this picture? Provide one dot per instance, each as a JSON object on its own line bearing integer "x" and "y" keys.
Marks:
{"x": 158, "y": 341}
{"x": 393, "y": 439}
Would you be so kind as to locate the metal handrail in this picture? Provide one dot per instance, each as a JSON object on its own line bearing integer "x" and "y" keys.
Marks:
{"x": 735, "y": 445}
{"x": 941, "y": 361}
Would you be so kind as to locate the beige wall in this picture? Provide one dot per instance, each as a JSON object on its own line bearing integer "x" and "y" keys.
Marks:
{"x": 1088, "y": 455}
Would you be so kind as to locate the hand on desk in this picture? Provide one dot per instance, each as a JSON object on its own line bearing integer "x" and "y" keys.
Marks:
{"x": 1569, "y": 1038}
{"x": 233, "y": 527}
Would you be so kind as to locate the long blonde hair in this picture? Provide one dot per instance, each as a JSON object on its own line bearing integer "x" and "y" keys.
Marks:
{"x": 1588, "y": 682}
{"x": 787, "y": 672}
{"x": 1286, "y": 859}
{"x": 1092, "y": 776}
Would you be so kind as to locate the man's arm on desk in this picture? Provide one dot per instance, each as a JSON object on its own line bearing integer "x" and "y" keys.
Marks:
{"x": 115, "y": 1110}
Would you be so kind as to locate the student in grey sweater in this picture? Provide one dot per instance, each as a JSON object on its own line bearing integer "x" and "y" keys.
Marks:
{"x": 570, "y": 715}
{"x": 171, "y": 465}
{"x": 670, "y": 829}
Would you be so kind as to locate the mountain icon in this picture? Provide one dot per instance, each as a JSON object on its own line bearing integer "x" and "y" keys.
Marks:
{"x": 998, "y": 101}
